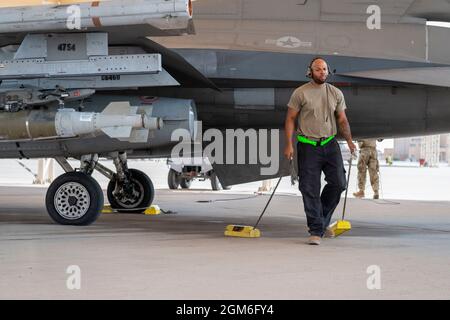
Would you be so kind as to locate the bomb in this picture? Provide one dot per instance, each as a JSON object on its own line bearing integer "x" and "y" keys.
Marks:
{"x": 118, "y": 120}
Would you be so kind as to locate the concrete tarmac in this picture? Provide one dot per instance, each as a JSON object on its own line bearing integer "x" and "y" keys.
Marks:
{"x": 184, "y": 255}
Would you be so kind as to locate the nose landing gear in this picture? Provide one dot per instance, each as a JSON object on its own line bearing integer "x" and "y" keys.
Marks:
{"x": 75, "y": 198}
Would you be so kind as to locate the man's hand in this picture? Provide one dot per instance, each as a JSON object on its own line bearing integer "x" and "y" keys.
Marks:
{"x": 352, "y": 147}
{"x": 289, "y": 152}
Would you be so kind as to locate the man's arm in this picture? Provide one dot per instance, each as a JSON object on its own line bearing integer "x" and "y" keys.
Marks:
{"x": 289, "y": 127}
{"x": 344, "y": 129}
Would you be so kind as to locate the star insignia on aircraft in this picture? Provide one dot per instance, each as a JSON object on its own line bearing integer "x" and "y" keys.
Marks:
{"x": 289, "y": 42}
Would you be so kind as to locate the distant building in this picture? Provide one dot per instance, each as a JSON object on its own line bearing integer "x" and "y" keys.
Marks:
{"x": 444, "y": 154}
{"x": 429, "y": 149}
{"x": 407, "y": 149}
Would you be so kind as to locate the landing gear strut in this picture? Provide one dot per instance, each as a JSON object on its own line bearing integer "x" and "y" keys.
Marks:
{"x": 130, "y": 190}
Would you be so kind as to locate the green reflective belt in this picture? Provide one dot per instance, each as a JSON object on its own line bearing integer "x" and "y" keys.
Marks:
{"x": 305, "y": 140}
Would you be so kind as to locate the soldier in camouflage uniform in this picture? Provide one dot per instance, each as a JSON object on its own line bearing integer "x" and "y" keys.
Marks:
{"x": 368, "y": 159}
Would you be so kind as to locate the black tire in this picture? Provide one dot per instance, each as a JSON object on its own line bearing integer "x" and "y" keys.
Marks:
{"x": 74, "y": 199}
{"x": 144, "y": 187}
{"x": 185, "y": 183}
{"x": 215, "y": 183}
{"x": 173, "y": 180}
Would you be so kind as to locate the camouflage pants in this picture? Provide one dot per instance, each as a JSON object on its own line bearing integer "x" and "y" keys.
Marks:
{"x": 368, "y": 159}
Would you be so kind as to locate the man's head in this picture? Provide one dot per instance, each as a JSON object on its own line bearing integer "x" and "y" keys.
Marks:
{"x": 319, "y": 70}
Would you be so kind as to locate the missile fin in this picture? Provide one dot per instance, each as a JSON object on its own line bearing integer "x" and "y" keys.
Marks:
{"x": 117, "y": 108}
{"x": 118, "y": 132}
{"x": 139, "y": 136}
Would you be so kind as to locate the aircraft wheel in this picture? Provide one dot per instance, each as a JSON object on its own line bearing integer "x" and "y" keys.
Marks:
{"x": 173, "y": 179}
{"x": 75, "y": 199}
{"x": 135, "y": 197}
{"x": 185, "y": 183}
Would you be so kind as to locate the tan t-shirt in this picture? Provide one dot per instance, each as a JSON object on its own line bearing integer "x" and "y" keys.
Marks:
{"x": 317, "y": 106}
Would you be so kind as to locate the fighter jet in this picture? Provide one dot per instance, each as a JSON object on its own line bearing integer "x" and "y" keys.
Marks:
{"x": 135, "y": 71}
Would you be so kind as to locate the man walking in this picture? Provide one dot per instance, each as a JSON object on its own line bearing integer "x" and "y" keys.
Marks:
{"x": 368, "y": 160}
{"x": 320, "y": 110}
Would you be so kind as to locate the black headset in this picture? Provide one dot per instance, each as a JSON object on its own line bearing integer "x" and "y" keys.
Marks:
{"x": 309, "y": 71}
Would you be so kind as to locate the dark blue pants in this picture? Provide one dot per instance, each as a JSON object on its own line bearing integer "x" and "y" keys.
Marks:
{"x": 319, "y": 208}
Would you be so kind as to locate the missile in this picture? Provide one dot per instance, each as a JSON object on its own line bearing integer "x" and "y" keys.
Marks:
{"x": 72, "y": 15}
{"x": 26, "y": 3}
{"x": 118, "y": 120}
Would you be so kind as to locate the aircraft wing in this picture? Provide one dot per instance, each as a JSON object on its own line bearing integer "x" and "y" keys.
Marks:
{"x": 176, "y": 65}
{"x": 392, "y": 11}
{"x": 398, "y": 11}
{"x": 432, "y": 76}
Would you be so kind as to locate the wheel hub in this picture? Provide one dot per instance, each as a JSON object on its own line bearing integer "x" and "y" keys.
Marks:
{"x": 131, "y": 195}
{"x": 72, "y": 200}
